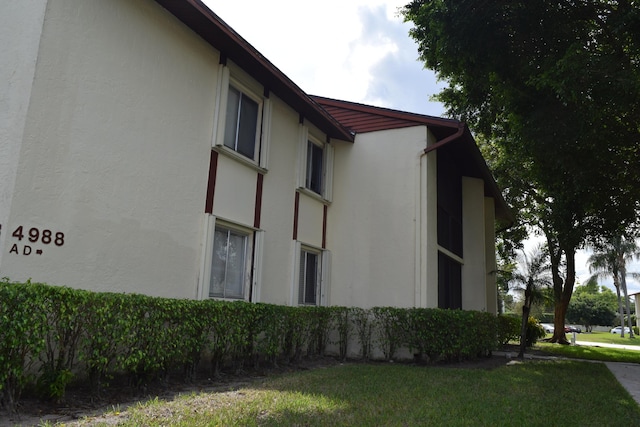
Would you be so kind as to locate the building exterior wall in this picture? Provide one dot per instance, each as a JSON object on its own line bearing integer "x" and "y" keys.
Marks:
{"x": 372, "y": 224}
{"x": 490, "y": 255}
{"x": 20, "y": 29}
{"x": 117, "y": 175}
{"x": 473, "y": 243}
{"x": 114, "y": 151}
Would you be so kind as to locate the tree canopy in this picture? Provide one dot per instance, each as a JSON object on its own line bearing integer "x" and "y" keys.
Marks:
{"x": 552, "y": 88}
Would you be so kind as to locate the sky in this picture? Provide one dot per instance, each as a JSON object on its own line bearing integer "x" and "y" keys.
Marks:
{"x": 353, "y": 50}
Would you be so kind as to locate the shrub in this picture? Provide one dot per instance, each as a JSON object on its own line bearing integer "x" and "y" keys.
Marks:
{"x": 148, "y": 337}
{"x": 534, "y": 331}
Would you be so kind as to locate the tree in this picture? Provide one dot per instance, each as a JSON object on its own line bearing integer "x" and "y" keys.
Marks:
{"x": 589, "y": 308}
{"x": 610, "y": 259}
{"x": 553, "y": 89}
{"x": 532, "y": 276}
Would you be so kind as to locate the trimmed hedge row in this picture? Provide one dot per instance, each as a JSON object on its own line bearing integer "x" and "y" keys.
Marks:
{"x": 51, "y": 334}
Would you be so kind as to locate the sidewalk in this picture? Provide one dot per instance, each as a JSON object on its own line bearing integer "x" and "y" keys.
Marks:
{"x": 627, "y": 374}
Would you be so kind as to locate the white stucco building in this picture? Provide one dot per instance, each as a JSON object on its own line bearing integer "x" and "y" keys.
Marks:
{"x": 146, "y": 147}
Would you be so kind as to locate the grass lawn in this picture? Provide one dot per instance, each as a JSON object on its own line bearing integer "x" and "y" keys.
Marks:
{"x": 547, "y": 393}
{"x": 603, "y": 354}
{"x": 606, "y": 337}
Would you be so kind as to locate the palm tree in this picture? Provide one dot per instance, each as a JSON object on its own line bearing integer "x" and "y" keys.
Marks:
{"x": 611, "y": 260}
{"x": 532, "y": 276}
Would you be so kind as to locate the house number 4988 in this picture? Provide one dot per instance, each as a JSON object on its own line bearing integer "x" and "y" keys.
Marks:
{"x": 34, "y": 234}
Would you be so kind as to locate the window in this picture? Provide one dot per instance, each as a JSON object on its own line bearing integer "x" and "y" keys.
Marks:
{"x": 230, "y": 264}
{"x": 309, "y": 280}
{"x": 241, "y": 123}
{"x": 315, "y": 170}
{"x": 449, "y": 282}
{"x": 316, "y": 163}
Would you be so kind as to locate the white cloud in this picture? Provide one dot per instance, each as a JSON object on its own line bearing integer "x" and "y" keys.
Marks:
{"x": 354, "y": 50}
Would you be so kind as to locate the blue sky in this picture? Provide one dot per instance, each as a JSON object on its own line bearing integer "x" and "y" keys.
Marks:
{"x": 354, "y": 50}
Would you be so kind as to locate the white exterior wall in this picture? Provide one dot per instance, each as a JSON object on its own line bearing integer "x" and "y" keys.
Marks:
{"x": 278, "y": 201}
{"x": 473, "y": 245}
{"x": 20, "y": 29}
{"x": 490, "y": 255}
{"x": 372, "y": 227}
{"x": 115, "y": 152}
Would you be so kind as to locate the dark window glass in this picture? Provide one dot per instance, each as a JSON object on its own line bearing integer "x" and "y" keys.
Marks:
{"x": 449, "y": 282}
{"x": 241, "y": 123}
{"x": 314, "y": 167}
{"x": 449, "y": 205}
{"x": 309, "y": 278}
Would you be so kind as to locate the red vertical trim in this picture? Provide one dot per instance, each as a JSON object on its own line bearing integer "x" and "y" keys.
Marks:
{"x": 211, "y": 186}
{"x": 296, "y": 208}
{"x": 324, "y": 228}
{"x": 258, "y": 208}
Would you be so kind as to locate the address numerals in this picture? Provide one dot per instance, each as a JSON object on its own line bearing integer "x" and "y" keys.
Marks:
{"x": 34, "y": 234}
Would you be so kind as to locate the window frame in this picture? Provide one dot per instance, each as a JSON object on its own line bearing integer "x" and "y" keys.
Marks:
{"x": 232, "y": 76}
{"x": 242, "y": 98}
{"x": 252, "y": 270}
{"x": 303, "y": 276}
{"x": 323, "y": 269}
{"x": 308, "y": 139}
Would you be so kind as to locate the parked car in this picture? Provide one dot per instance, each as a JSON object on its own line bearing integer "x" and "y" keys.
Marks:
{"x": 618, "y": 329}
{"x": 548, "y": 327}
{"x": 572, "y": 328}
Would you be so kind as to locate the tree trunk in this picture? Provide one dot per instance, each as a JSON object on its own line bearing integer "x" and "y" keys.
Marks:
{"x": 616, "y": 284}
{"x": 562, "y": 294}
{"x": 623, "y": 285}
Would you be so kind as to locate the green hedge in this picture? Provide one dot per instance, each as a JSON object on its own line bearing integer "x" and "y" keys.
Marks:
{"x": 50, "y": 335}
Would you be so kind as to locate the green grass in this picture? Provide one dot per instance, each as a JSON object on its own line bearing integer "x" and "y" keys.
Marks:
{"x": 548, "y": 393}
{"x": 591, "y": 352}
{"x": 606, "y": 337}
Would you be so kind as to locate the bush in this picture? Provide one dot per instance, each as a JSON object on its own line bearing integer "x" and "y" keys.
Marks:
{"x": 508, "y": 328}
{"x": 534, "y": 332}
{"x": 148, "y": 337}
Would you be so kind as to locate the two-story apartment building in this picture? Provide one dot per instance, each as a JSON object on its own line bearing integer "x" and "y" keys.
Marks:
{"x": 147, "y": 147}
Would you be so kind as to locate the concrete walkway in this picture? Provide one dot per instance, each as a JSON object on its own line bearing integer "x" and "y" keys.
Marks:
{"x": 627, "y": 374}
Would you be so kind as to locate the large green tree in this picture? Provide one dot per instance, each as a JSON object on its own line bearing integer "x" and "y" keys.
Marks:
{"x": 553, "y": 89}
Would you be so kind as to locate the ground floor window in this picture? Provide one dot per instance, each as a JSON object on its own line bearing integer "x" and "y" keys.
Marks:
{"x": 310, "y": 277}
{"x": 449, "y": 282}
{"x": 230, "y": 263}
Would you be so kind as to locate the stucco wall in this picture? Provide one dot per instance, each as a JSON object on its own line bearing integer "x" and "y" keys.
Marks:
{"x": 371, "y": 224}
{"x": 278, "y": 206}
{"x": 20, "y": 28}
{"x": 115, "y": 151}
{"x": 473, "y": 243}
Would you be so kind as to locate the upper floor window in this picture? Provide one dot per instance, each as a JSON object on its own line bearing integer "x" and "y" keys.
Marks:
{"x": 316, "y": 164}
{"x": 241, "y": 123}
{"x": 315, "y": 170}
{"x": 243, "y": 117}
